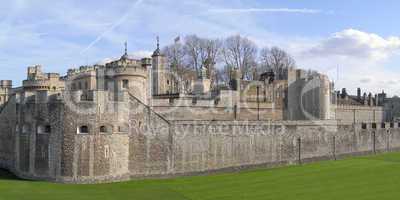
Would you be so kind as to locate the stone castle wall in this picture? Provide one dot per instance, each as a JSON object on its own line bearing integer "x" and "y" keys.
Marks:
{"x": 359, "y": 114}
{"x": 125, "y": 139}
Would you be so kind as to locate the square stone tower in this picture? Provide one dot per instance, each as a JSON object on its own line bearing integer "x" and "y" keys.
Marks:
{"x": 5, "y": 91}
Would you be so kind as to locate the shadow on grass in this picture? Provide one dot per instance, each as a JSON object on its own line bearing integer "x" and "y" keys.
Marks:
{"x": 7, "y": 175}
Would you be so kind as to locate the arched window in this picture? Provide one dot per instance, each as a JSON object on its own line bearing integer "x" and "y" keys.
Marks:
{"x": 125, "y": 84}
{"x": 83, "y": 130}
{"x": 104, "y": 129}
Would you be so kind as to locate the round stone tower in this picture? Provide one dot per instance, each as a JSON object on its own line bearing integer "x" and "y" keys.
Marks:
{"x": 128, "y": 74}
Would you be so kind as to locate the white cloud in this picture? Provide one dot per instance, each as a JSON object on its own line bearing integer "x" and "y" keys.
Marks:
{"x": 133, "y": 55}
{"x": 267, "y": 10}
{"x": 352, "y": 58}
{"x": 140, "y": 54}
{"x": 353, "y": 43}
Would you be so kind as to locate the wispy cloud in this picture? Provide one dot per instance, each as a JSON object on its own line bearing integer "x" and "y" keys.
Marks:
{"x": 266, "y": 10}
{"x": 112, "y": 27}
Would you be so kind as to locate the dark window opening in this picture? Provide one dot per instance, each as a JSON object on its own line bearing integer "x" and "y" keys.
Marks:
{"x": 83, "y": 130}
{"x": 47, "y": 129}
{"x": 103, "y": 129}
{"x": 374, "y": 125}
{"x": 391, "y": 125}
{"x": 125, "y": 84}
{"x": 383, "y": 125}
{"x": 364, "y": 126}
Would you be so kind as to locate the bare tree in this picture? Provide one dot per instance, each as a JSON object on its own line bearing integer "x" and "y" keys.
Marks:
{"x": 194, "y": 52}
{"x": 175, "y": 57}
{"x": 212, "y": 48}
{"x": 240, "y": 52}
{"x": 223, "y": 75}
{"x": 277, "y": 60}
{"x": 202, "y": 52}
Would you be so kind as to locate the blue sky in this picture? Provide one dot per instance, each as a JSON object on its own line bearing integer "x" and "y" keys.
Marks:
{"x": 360, "y": 38}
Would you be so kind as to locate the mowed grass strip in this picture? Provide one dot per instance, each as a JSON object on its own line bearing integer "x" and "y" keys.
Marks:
{"x": 371, "y": 177}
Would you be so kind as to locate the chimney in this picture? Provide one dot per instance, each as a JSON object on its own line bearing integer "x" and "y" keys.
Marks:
{"x": 344, "y": 93}
{"x": 370, "y": 100}
{"x": 365, "y": 99}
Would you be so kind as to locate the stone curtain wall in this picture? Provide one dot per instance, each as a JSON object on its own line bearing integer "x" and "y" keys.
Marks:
{"x": 359, "y": 114}
{"x": 150, "y": 142}
{"x": 204, "y": 146}
{"x": 139, "y": 143}
{"x": 7, "y": 138}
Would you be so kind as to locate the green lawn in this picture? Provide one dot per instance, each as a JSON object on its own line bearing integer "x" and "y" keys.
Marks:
{"x": 373, "y": 177}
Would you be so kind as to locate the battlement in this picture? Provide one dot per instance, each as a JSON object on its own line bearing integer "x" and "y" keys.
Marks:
{"x": 6, "y": 84}
{"x": 82, "y": 70}
{"x": 146, "y": 62}
{"x": 78, "y": 96}
{"x": 40, "y": 96}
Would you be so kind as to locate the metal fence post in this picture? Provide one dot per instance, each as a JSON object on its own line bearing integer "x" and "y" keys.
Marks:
{"x": 334, "y": 147}
{"x": 374, "y": 142}
{"x": 299, "y": 149}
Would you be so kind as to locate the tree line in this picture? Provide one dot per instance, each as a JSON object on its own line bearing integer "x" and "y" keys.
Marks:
{"x": 220, "y": 56}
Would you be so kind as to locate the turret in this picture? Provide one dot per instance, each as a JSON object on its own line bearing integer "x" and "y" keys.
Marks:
{"x": 381, "y": 98}
{"x": 125, "y": 75}
{"x": 370, "y": 100}
{"x": 6, "y": 84}
{"x": 5, "y": 90}
{"x": 158, "y": 71}
{"x": 365, "y": 100}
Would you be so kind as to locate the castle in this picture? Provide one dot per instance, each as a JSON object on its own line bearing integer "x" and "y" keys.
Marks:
{"x": 134, "y": 118}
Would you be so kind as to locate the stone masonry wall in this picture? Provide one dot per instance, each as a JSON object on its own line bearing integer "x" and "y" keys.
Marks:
{"x": 125, "y": 139}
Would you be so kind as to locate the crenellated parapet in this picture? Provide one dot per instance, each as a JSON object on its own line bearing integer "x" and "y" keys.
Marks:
{"x": 38, "y": 80}
{"x": 82, "y": 71}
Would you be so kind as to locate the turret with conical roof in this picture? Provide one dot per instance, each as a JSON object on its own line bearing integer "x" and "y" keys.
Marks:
{"x": 157, "y": 52}
{"x": 158, "y": 71}
{"x": 125, "y": 56}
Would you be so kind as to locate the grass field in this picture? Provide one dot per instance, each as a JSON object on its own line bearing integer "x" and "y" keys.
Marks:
{"x": 372, "y": 177}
